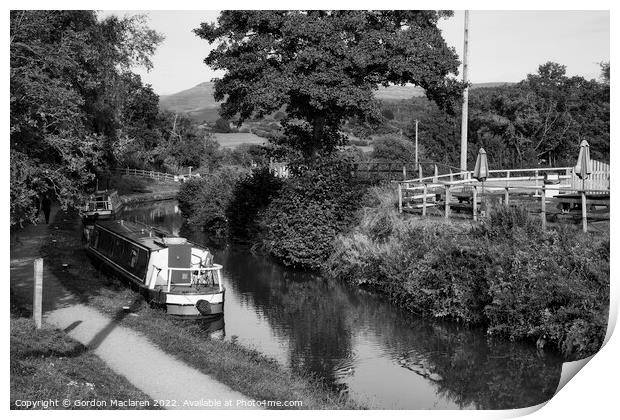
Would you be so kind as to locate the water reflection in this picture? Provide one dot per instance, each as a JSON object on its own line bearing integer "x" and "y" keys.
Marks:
{"x": 359, "y": 344}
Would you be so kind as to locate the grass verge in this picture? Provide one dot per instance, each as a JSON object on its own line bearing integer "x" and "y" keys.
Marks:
{"x": 48, "y": 367}
{"x": 244, "y": 370}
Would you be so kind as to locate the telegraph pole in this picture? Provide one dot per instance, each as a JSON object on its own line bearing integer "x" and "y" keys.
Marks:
{"x": 465, "y": 98}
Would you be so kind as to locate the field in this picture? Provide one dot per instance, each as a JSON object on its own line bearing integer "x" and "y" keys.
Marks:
{"x": 231, "y": 140}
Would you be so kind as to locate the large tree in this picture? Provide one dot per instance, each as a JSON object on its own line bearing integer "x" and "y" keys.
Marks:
{"x": 70, "y": 78}
{"x": 323, "y": 66}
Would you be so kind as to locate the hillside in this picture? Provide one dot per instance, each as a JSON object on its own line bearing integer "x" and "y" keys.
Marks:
{"x": 198, "y": 102}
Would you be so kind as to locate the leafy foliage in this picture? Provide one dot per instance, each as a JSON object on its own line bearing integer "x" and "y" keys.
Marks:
{"x": 301, "y": 223}
{"x": 541, "y": 119}
{"x": 204, "y": 200}
{"x": 507, "y": 275}
{"x": 251, "y": 197}
{"x": 324, "y": 65}
{"x": 69, "y": 81}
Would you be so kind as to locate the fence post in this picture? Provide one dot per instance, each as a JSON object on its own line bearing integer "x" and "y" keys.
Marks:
{"x": 584, "y": 211}
{"x": 436, "y": 176}
{"x": 447, "y": 203}
{"x": 419, "y": 173}
{"x": 506, "y": 197}
{"x": 536, "y": 179}
{"x": 424, "y": 200}
{"x": 37, "y": 302}
{"x": 475, "y": 202}
{"x": 400, "y": 198}
{"x": 543, "y": 208}
{"x": 404, "y": 172}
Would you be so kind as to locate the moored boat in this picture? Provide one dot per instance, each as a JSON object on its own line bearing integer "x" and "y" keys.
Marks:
{"x": 171, "y": 271}
{"x": 102, "y": 205}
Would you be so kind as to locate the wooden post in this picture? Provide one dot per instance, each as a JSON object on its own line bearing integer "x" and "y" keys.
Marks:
{"x": 436, "y": 175}
{"x": 506, "y": 197}
{"x": 475, "y": 203}
{"x": 447, "y": 203}
{"x": 404, "y": 172}
{"x": 543, "y": 209}
{"x": 400, "y": 198}
{"x": 536, "y": 179}
{"x": 37, "y": 302}
{"x": 424, "y": 200}
{"x": 584, "y": 211}
{"x": 419, "y": 173}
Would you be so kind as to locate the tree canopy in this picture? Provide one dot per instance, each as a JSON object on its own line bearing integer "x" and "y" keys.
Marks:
{"x": 541, "y": 119}
{"x": 323, "y": 66}
{"x": 70, "y": 85}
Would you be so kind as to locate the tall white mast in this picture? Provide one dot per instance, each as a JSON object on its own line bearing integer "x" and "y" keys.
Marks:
{"x": 465, "y": 98}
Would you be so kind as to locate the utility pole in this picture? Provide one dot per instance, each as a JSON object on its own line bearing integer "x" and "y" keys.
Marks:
{"x": 465, "y": 98}
{"x": 417, "y": 161}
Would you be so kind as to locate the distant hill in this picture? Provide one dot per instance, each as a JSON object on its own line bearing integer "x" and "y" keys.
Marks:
{"x": 194, "y": 99}
{"x": 198, "y": 102}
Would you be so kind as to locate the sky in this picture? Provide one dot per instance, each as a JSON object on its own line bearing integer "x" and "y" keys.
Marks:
{"x": 504, "y": 46}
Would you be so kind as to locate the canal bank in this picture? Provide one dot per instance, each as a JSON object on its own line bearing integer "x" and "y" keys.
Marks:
{"x": 358, "y": 344}
{"x": 242, "y": 374}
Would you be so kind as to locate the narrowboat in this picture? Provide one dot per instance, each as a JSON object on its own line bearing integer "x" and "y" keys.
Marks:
{"x": 102, "y": 205}
{"x": 170, "y": 271}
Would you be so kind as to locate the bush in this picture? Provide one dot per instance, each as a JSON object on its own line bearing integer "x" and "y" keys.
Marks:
{"x": 549, "y": 287}
{"x": 393, "y": 149}
{"x": 204, "y": 200}
{"x": 251, "y": 196}
{"x": 300, "y": 224}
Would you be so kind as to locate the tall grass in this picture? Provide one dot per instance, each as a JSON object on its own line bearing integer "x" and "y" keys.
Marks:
{"x": 506, "y": 273}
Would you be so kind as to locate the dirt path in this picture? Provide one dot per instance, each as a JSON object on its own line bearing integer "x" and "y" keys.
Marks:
{"x": 126, "y": 352}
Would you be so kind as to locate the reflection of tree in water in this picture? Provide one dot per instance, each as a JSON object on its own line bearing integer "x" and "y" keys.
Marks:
{"x": 307, "y": 310}
{"x": 161, "y": 214}
{"x": 464, "y": 365}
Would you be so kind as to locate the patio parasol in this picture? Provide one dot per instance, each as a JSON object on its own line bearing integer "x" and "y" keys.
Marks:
{"x": 481, "y": 172}
{"x": 583, "y": 169}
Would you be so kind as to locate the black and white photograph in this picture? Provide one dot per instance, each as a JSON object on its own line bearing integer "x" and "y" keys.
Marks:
{"x": 344, "y": 206}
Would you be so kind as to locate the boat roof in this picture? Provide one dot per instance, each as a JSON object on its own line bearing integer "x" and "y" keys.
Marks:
{"x": 146, "y": 236}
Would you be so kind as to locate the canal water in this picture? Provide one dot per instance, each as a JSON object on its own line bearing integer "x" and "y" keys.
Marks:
{"x": 360, "y": 345}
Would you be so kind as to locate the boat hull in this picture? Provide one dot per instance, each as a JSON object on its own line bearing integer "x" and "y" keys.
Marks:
{"x": 195, "y": 304}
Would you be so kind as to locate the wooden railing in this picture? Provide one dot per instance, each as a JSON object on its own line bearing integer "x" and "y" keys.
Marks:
{"x": 147, "y": 174}
{"x": 547, "y": 185}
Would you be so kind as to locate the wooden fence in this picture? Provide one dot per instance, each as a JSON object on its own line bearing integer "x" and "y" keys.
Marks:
{"x": 161, "y": 176}
{"x": 559, "y": 191}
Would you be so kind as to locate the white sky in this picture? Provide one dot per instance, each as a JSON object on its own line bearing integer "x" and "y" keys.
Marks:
{"x": 504, "y": 46}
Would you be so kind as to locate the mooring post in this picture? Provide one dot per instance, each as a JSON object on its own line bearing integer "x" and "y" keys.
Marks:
{"x": 543, "y": 208}
{"x": 584, "y": 211}
{"x": 447, "y": 203}
{"x": 37, "y": 301}
{"x": 424, "y": 200}
{"x": 475, "y": 203}
{"x": 400, "y": 198}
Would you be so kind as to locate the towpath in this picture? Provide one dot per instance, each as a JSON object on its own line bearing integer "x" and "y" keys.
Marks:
{"x": 128, "y": 353}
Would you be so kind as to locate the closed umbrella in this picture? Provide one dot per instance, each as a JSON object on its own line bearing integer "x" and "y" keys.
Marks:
{"x": 481, "y": 170}
{"x": 481, "y": 173}
{"x": 583, "y": 169}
